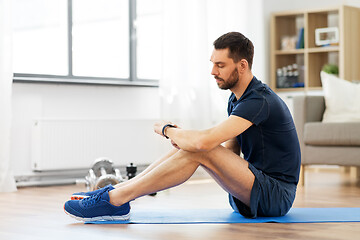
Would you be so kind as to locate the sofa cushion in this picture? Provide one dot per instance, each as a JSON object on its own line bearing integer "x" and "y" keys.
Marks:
{"x": 342, "y": 99}
{"x": 332, "y": 134}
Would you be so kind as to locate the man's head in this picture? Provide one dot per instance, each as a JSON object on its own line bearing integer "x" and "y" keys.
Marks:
{"x": 239, "y": 46}
{"x": 232, "y": 58}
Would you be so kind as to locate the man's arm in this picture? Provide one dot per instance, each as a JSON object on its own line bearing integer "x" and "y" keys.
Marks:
{"x": 205, "y": 140}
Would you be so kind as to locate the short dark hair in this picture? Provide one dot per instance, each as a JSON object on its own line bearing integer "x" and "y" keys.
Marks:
{"x": 239, "y": 46}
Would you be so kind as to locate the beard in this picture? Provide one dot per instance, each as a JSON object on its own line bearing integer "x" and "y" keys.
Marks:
{"x": 230, "y": 82}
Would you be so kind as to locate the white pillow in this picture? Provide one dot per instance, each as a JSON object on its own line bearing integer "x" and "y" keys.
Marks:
{"x": 342, "y": 99}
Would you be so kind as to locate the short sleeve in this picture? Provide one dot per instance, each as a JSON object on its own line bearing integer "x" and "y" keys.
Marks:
{"x": 255, "y": 110}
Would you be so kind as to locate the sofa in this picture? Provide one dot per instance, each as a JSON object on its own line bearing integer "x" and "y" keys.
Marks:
{"x": 324, "y": 143}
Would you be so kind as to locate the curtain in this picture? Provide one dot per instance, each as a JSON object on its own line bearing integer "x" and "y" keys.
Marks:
{"x": 189, "y": 94}
{"x": 7, "y": 182}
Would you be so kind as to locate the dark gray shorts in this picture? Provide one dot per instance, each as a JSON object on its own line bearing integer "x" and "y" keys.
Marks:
{"x": 269, "y": 197}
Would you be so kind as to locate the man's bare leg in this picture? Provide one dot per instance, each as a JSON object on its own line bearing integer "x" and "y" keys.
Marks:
{"x": 149, "y": 168}
{"x": 230, "y": 171}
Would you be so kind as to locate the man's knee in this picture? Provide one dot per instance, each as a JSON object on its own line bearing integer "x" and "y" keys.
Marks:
{"x": 199, "y": 157}
{"x": 205, "y": 158}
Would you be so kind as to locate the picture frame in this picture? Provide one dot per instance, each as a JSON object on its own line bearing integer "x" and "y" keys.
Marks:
{"x": 326, "y": 36}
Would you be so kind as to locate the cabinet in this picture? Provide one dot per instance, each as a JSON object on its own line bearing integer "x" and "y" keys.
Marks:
{"x": 305, "y": 62}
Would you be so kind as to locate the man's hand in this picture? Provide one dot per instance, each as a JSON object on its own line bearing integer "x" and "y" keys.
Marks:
{"x": 158, "y": 129}
{"x": 158, "y": 126}
{"x": 175, "y": 145}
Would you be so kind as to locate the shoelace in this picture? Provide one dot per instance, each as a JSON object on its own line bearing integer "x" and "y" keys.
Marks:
{"x": 93, "y": 199}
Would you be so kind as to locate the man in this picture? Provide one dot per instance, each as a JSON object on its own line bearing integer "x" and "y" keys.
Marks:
{"x": 263, "y": 183}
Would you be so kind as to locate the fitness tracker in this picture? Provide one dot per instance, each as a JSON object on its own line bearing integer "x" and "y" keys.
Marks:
{"x": 164, "y": 127}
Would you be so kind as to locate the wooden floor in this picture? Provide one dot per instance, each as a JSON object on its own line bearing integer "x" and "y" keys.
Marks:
{"x": 37, "y": 213}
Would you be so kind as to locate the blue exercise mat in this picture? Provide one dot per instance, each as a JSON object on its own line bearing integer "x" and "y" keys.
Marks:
{"x": 191, "y": 216}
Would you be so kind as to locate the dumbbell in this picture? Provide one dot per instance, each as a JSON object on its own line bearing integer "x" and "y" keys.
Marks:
{"x": 102, "y": 174}
{"x": 131, "y": 170}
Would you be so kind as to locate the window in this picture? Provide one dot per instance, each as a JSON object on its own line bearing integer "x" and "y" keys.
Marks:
{"x": 107, "y": 29}
{"x": 40, "y": 37}
{"x": 87, "y": 41}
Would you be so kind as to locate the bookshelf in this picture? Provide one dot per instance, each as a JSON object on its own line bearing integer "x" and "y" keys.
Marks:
{"x": 303, "y": 65}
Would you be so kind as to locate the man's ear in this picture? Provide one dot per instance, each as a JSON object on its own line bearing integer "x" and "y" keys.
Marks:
{"x": 243, "y": 65}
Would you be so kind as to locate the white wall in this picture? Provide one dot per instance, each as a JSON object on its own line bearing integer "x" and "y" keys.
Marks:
{"x": 256, "y": 35}
{"x": 66, "y": 101}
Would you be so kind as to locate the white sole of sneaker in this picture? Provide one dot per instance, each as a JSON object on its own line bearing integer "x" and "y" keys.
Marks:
{"x": 100, "y": 218}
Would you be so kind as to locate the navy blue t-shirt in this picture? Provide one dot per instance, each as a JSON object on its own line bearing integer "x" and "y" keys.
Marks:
{"x": 271, "y": 143}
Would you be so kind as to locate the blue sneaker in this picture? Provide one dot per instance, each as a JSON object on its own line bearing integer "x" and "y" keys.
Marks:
{"x": 97, "y": 208}
{"x": 82, "y": 195}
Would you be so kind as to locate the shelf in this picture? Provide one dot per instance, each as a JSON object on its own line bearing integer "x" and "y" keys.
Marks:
{"x": 286, "y": 26}
{"x": 323, "y": 49}
{"x": 323, "y": 10}
{"x": 286, "y": 52}
{"x": 299, "y": 89}
{"x": 314, "y": 88}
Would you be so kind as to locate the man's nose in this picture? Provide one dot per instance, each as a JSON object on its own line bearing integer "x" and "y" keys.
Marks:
{"x": 214, "y": 71}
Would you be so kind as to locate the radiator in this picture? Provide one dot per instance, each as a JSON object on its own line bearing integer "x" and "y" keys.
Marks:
{"x": 75, "y": 144}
